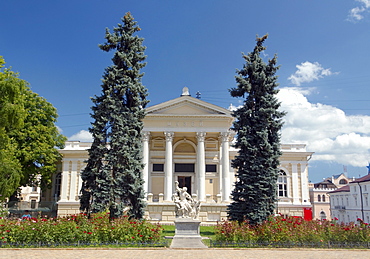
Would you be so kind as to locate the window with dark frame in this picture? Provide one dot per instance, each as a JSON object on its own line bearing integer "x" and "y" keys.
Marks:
{"x": 158, "y": 167}
{"x": 181, "y": 168}
{"x": 211, "y": 168}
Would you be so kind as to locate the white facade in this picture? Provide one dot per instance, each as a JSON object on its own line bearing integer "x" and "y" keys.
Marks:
{"x": 352, "y": 201}
{"x": 189, "y": 140}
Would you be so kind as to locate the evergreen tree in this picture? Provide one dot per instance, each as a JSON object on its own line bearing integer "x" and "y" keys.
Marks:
{"x": 112, "y": 178}
{"x": 257, "y": 124}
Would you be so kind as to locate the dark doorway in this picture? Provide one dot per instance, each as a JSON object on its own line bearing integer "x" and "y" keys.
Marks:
{"x": 185, "y": 181}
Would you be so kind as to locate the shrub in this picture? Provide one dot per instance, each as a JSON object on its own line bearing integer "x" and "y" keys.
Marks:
{"x": 292, "y": 230}
{"x": 78, "y": 229}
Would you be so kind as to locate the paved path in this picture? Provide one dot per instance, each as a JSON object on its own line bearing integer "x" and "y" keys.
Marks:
{"x": 186, "y": 242}
{"x": 92, "y": 253}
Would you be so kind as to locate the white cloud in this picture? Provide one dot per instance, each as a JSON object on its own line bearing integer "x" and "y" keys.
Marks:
{"x": 82, "y": 135}
{"x": 327, "y": 130}
{"x": 356, "y": 14}
{"x": 308, "y": 72}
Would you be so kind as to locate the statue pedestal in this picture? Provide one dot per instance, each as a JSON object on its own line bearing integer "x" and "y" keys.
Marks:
{"x": 187, "y": 234}
{"x": 187, "y": 227}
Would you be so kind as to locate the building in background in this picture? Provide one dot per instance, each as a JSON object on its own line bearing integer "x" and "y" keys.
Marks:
{"x": 189, "y": 141}
{"x": 319, "y": 195}
{"x": 351, "y": 202}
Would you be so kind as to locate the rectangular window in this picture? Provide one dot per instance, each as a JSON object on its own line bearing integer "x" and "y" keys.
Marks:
{"x": 158, "y": 167}
{"x": 211, "y": 168}
{"x": 189, "y": 168}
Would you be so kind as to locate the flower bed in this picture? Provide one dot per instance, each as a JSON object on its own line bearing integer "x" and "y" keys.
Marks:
{"x": 77, "y": 230}
{"x": 291, "y": 232}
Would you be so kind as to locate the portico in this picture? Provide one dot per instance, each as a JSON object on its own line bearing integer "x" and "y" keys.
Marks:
{"x": 189, "y": 139}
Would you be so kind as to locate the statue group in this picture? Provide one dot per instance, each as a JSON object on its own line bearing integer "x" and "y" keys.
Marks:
{"x": 186, "y": 206}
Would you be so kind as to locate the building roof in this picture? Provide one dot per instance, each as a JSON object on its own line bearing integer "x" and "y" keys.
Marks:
{"x": 325, "y": 184}
{"x": 365, "y": 178}
{"x": 336, "y": 176}
{"x": 342, "y": 189}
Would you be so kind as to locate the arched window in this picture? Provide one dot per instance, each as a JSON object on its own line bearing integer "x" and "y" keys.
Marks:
{"x": 343, "y": 181}
{"x": 322, "y": 215}
{"x": 319, "y": 197}
{"x": 323, "y": 198}
{"x": 282, "y": 184}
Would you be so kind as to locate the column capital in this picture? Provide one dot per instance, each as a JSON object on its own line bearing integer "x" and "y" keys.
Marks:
{"x": 169, "y": 135}
{"x": 145, "y": 135}
{"x": 225, "y": 136}
{"x": 201, "y": 136}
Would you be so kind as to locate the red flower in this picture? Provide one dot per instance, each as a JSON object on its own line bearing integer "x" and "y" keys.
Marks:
{"x": 141, "y": 236}
{"x": 335, "y": 218}
{"x": 133, "y": 237}
{"x": 8, "y": 231}
{"x": 89, "y": 233}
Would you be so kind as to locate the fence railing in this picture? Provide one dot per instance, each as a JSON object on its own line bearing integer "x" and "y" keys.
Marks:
{"x": 164, "y": 243}
{"x": 329, "y": 244}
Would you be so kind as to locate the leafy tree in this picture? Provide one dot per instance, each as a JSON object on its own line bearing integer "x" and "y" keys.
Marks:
{"x": 258, "y": 124}
{"x": 12, "y": 114}
{"x": 28, "y": 135}
{"x": 38, "y": 141}
{"x": 112, "y": 178}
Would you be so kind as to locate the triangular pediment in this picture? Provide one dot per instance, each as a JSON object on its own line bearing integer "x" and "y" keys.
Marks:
{"x": 186, "y": 105}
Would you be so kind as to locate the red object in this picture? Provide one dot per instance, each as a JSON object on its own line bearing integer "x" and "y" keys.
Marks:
{"x": 307, "y": 214}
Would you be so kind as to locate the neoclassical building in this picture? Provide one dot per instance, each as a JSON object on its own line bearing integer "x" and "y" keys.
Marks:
{"x": 188, "y": 140}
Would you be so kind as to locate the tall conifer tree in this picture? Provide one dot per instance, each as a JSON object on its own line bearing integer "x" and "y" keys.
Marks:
{"x": 258, "y": 124}
{"x": 112, "y": 178}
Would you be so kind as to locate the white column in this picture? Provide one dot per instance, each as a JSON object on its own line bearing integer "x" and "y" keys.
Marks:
{"x": 304, "y": 184}
{"x": 145, "y": 138}
{"x": 201, "y": 166}
{"x": 73, "y": 186}
{"x": 64, "y": 188}
{"x": 168, "y": 171}
{"x": 295, "y": 184}
{"x": 226, "y": 190}
{"x": 79, "y": 182}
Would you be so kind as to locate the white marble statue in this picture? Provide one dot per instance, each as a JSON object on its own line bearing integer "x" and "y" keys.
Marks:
{"x": 186, "y": 206}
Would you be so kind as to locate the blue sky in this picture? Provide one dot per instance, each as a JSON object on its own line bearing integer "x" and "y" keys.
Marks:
{"x": 322, "y": 47}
